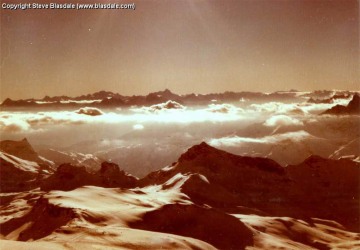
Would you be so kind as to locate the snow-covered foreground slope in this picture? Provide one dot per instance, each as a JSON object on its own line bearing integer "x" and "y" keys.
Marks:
{"x": 290, "y": 233}
{"x": 93, "y": 218}
{"x": 153, "y": 218}
{"x": 208, "y": 199}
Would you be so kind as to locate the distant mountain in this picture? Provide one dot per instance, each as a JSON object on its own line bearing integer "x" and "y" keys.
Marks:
{"x": 110, "y": 99}
{"x": 107, "y": 98}
{"x": 352, "y": 108}
{"x": 91, "y": 162}
{"x": 99, "y": 95}
{"x": 162, "y": 96}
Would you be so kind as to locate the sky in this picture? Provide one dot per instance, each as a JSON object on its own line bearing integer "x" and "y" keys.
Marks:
{"x": 185, "y": 46}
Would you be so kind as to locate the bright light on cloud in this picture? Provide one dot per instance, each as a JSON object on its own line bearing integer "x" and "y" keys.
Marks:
{"x": 13, "y": 125}
{"x": 138, "y": 127}
{"x": 278, "y": 108}
{"x": 282, "y": 120}
{"x": 25, "y": 121}
{"x": 236, "y": 141}
{"x": 223, "y": 108}
{"x": 167, "y": 113}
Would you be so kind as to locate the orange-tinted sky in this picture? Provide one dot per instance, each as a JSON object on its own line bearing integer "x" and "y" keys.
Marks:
{"x": 186, "y": 46}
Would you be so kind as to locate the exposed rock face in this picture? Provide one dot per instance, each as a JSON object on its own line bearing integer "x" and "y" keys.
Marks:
{"x": 219, "y": 229}
{"x": 68, "y": 177}
{"x": 44, "y": 218}
{"x": 336, "y": 178}
{"x": 250, "y": 178}
{"x": 326, "y": 188}
{"x": 112, "y": 176}
{"x": 16, "y": 174}
{"x": 21, "y": 149}
{"x": 352, "y": 108}
{"x": 21, "y": 168}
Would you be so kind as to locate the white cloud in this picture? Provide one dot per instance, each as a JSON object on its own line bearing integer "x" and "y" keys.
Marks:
{"x": 21, "y": 121}
{"x": 111, "y": 143}
{"x": 138, "y": 127}
{"x": 282, "y": 120}
{"x": 173, "y": 113}
{"x": 223, "y": 108}
{"x": 13, "y": 125}
{"x": 295, "y": 108}
{"x": 235, "y": 141}
{"x": 279, "y": 108}
{"x": 27, "y": 121}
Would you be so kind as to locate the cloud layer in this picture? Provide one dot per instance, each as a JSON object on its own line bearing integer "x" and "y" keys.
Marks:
{"x": 237, "y": 141}
{"x": 282, "y": 120}
{"x": 271, "y": 114}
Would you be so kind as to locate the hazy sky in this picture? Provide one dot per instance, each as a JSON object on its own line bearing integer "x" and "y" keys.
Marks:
{"x": 186, "y": 46}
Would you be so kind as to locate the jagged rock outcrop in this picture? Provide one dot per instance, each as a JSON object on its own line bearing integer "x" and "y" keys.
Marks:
{"x": 21, "y": 149}
{"x": 326, "y": 188}
{"x": 352, "y": 108}
{"x": 17, "y": 174}
{"x": 219, "y": 229}
{"x": 21, "y": 168}
{"x": 42, "y": 220}
{"x": 68, "y": 177}
{"x": 112, "y": 176}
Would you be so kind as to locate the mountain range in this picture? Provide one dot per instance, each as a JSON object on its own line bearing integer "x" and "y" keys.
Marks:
{"x": 110, "y": 99}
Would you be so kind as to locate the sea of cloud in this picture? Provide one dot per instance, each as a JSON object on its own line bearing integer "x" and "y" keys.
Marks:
{"x": 286, "y": 132}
